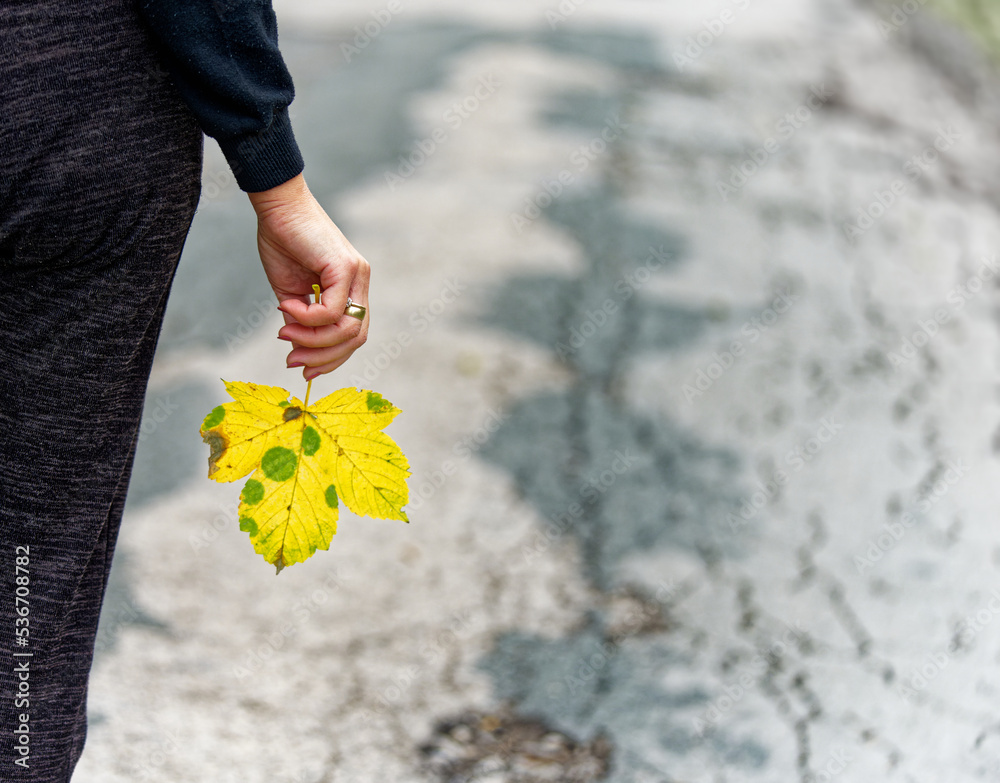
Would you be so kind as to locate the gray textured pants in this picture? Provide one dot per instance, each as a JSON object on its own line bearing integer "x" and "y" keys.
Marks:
{"x": 100, "y": 165}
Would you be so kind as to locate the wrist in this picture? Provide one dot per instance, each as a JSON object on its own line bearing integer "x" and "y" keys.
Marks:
{"x": 294, "y": 191}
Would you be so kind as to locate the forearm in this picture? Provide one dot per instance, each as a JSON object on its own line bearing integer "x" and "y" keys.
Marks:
{"x": 226, "y": 64}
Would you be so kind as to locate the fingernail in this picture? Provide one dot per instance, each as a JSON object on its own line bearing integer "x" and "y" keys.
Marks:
{"x": 282, "y": 337}
{"x": 296, "y": 364}
{"x": 311, "y": 375}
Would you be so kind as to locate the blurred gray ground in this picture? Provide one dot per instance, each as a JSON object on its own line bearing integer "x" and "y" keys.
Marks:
{"x": 691, "y": 312}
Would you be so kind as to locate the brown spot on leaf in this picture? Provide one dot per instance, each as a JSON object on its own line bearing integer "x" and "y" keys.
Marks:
{"x": 292, "y": 413}
{"x": 217, "y": 444}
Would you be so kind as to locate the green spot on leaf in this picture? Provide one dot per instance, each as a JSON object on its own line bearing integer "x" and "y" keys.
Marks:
{"x": 331, "y": 497}
{"x": 376, "y": 402}
{"x": 279, "y": 463}
{"x": 283, "y": 404}
{"x": 310, "y": 441}
{"x": 248, "y": 525}
{"x": 214, "y": 419}
{"x": 253, "y": 492}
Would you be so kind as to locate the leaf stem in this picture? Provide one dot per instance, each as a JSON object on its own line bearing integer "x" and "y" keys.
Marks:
{"x": 317, "y": 292}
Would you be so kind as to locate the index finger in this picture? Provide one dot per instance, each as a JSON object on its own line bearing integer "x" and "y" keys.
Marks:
{"x": 335, "y": 281}
{"x": 323, "y": 313}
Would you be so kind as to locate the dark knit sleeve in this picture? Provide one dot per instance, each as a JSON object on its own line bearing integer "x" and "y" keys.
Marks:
{"x": 224, "y": 59}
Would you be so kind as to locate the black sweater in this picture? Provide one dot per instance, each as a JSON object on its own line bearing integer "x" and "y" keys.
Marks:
{"x": 224, "y": 59}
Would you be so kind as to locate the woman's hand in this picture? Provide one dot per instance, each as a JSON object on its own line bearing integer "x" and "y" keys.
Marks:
{"x": 300, "y": 245}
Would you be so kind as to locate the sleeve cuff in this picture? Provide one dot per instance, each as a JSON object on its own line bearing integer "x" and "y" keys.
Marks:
{"x": 261, "y": 161}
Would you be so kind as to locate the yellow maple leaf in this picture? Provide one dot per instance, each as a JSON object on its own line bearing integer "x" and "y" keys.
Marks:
{"x": 305, "y": 460}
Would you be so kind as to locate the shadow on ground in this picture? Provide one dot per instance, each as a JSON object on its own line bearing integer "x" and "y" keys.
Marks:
{"x": 618, "y": 481}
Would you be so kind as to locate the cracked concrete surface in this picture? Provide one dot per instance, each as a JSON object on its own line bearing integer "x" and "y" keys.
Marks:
{"x": 703, "y": 438}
